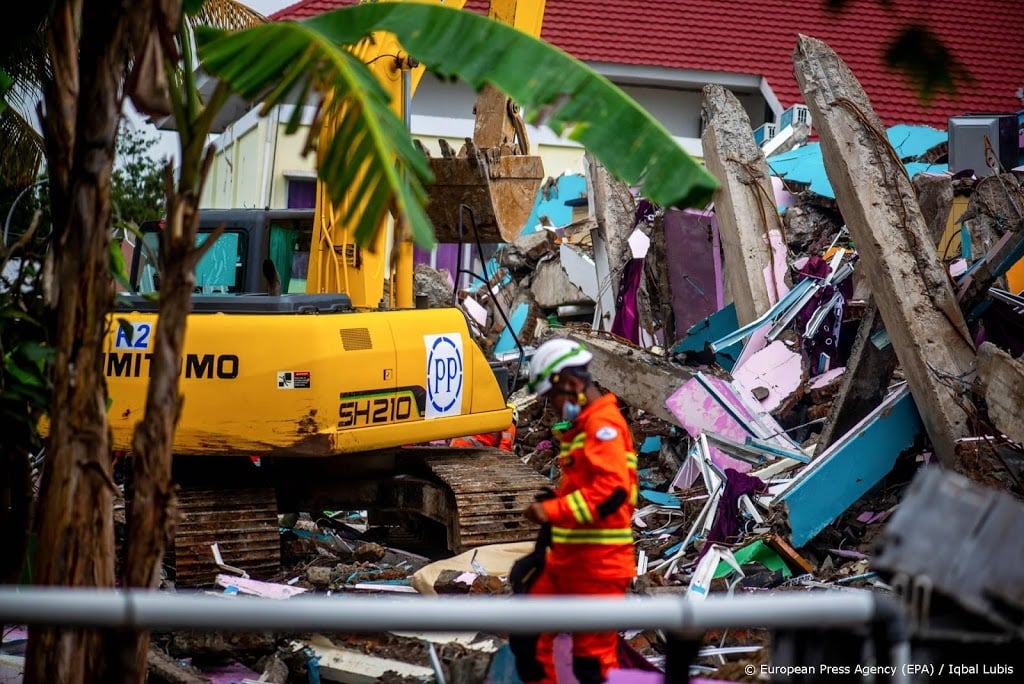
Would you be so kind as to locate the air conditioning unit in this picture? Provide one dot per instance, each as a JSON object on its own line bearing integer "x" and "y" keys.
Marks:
{"x": 794, "y": 115}
{"x": 967, "y": 137}
{"x": 764, "y": 133}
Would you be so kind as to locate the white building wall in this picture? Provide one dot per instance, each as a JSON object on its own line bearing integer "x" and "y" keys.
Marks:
{"x": 246, "y": 175}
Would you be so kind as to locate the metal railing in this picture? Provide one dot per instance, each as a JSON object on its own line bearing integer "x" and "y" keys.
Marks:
{"x": 675, "y": 615}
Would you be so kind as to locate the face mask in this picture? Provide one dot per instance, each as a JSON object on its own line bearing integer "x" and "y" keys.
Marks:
{"x": 571, "y": 411}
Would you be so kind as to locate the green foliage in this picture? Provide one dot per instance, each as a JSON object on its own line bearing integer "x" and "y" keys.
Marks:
{"x": 920, "y": 54}
{"x": 137, "y": 186}
{"x": 5, "y": 84}
{"x": 25, "y": 386}
{"x": 926, "y": 61}
{"x": 275, "y": 62}
{"x": 191, "y": 7}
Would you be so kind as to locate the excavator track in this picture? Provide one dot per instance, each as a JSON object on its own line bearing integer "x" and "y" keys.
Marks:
{"x": 489, "y": 489}
{"x": 243, "y": 524}
{"x": 476, "y": 495}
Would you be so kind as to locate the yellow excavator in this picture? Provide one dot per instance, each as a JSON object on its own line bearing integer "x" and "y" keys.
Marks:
{"x": 307, "y": 374}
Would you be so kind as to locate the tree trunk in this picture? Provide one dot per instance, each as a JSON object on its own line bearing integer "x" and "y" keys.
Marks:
{"x": 88, "y": 50}
{"x": 152, "y": 516}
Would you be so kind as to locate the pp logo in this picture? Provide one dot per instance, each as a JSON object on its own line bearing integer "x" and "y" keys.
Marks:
{"x": 444, "y": 375}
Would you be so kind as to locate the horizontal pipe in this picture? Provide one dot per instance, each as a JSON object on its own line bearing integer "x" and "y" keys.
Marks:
{"x": 135, "y": 609}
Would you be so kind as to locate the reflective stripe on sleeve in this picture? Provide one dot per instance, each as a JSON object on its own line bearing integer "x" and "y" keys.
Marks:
{"x": 564, "y": 535}
{"x": 580, "y": 509}
{"x": 576, "y": 443}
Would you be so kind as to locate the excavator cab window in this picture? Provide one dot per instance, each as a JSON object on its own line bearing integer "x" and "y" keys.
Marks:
{"x": 288, "y": 247}
{"x": 220, "y": 271}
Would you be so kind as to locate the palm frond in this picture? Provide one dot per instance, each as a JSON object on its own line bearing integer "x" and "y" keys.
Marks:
{"x": 365, "y": 138}
{"x": 23, "y": 150}
{"x": 229, "y": 15}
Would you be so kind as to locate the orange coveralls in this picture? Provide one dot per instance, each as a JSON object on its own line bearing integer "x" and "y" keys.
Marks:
{"x": 591, "y": 531}
{"x": 504, "y": 440}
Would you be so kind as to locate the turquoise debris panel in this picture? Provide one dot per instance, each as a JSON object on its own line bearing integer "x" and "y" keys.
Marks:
{"x": 914, "y": 168}
{"x": 910, "y": 142}
{"x": 714, "y": 327}
{"x": 805, "y": 165}
{"x": 490, "y": 269}
{"x": 566, "y": 187}
{"x": 507, "y": 340}
{"x": 841, "y": 475}
{"x": 651, "y": 445}
{"x": 660, "y": 498}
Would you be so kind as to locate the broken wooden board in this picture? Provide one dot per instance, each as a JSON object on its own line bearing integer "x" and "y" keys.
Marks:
{"x": 879, "y": 205}
{"x": 831, "y": 483}
{"x": 352, "y": 667}
{"x": 744, "y": 204}
{"x": 639, "y": 378}
{"x": 788, "y": 553}
{"x": 1003, "y": 378}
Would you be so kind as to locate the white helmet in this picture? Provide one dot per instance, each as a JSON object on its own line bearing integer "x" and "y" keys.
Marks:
{"x": 551, "y": 358}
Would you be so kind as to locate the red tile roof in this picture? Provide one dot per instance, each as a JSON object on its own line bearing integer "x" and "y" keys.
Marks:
{"x": 758, "y": 37}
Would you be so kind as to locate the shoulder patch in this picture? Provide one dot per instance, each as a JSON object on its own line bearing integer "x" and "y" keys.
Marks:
{"x": 607, "y": 433}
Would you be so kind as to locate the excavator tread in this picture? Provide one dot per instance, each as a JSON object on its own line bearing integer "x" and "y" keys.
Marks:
{"x": 243, "y": 524}
{"x": 491, "y": 488}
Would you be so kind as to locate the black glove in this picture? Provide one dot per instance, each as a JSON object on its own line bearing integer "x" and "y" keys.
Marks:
{"x": 525, "y": 572}
{"x": 527, "y": 569}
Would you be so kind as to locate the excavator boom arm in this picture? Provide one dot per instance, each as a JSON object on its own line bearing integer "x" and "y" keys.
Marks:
{"x": 495, "y": 177}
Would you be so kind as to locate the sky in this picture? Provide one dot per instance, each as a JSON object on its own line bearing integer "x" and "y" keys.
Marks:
{"x": 267, "y": 7}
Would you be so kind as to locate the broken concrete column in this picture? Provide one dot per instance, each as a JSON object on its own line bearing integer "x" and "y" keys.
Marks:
{"x": 640, "y": 379}
{"x": 995, "y": 207}
{"x": 744, "y": 204}
{"x": 1003, "y": 378}
{"x": 935, "y": 197}
{"x": 552, "y": 288}
{"x": 612, "y": 206}
{"x": 878, "y": 202}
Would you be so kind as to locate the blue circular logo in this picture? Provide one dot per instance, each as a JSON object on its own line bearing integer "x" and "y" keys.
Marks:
{"x": 444, "y": 374}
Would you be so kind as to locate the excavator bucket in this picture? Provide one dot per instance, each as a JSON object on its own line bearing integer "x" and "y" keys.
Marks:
{"x": 499, "y": 191}
{"x": 494, "y": 176}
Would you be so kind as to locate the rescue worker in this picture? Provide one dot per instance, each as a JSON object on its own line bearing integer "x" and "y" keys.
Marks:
{"x": 504, "y": 440}
{"x": 590, "y": 514}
